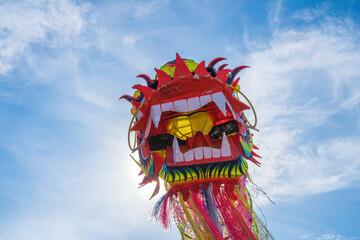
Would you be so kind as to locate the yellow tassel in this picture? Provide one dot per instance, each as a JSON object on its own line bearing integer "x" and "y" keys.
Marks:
{"x": 199, "y": 235}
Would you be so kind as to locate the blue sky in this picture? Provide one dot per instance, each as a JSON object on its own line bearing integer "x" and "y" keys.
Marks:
{"x": 65, "y": 172}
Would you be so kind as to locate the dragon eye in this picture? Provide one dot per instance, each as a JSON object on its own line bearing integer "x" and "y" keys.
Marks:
{"x": 228, "y": 127}
{"x": 160, "y": 142}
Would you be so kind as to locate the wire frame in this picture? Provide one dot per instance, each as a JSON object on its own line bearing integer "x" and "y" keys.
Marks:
{"x": 252, "y": 107}
{"x": 133, "y": 147}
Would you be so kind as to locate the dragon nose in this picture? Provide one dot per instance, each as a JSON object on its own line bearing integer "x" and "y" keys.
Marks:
{"x": 188, "y": 125}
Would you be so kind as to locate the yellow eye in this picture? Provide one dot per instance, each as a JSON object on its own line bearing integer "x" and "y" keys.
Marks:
{"x": 185, "y": 126}
{"x": 136, "y": 94}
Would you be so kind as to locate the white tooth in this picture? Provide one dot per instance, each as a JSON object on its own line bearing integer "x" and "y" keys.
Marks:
{"x": 225, "y": 146}
{"x": 216, "y": 153}
{"x": 193, "y": 103}
{"x": 205, "y": 100}
{"x": 207, "y": 152}
{"x": 199, "y": 154}
{"x": 147, "y": 129}
{"x": 219, "y": 99}
{"x": 167, "y": 107}
{"x": 156, "y": 114}
{"x": 231, "y": 109}
{"x": 189, "y": 155}
{"x": 177, "y": 155}
{"x": 181, "y": 106}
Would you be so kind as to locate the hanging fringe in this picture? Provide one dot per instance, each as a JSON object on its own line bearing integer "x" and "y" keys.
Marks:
{"x": 162, "y": 211}
{"x": 205, "y": 215}
{"x": 233, "y": 218}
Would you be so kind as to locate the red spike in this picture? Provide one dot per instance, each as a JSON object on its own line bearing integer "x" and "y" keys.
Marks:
{"x": 201, "y": 70}
{"x": 254, "y": 154}
{"x": 140, "y": 125}
{"x": 238, "y": 105}
{"x": 223, "y": 75}
{"x": 255, "y": 147}
{"x": 128, "y": 98}
{"x": 146, "y": 78}
{"x": 144, "y": 90}
{"x": 237, "y": 70}
{"x": 257, "y": 163}
{"x": 180, "y": 68}
{"x": 140, "y": 173}
{"x": 221, "y": 67}
{"x": 234, "y": 83}
{"x": 162, "y": 77}
{"x": 234, "y": 72}
{"x": 146, "y": 181}
{"x": 215, "y": 61}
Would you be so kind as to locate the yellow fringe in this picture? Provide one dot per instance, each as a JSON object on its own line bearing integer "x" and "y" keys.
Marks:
{"x": 197, "y": 231}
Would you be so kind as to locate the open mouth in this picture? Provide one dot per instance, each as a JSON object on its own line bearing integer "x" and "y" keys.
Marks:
{"x": 195, "y": 130}
{"x": 200, "y": 155}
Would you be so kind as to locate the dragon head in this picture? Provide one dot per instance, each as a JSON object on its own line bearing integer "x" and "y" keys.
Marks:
{"x": 189, "y": 124}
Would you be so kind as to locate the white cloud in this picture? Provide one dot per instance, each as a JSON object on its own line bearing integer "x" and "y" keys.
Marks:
{"x": 142, "y": 9}
{"x": 302, "y": 80}
{"x": 311, "y": 14}
{"x": 27, "y": 22}
{"x": 274, "y": 12}
{"x": 129, "y": 40}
